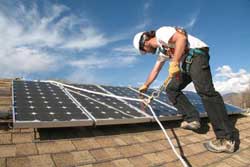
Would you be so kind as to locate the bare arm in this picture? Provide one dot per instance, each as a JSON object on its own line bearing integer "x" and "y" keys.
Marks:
{"x": 154, "y": 73}
{"x": 179, "y": 40}
{"x": 180, "y": 43}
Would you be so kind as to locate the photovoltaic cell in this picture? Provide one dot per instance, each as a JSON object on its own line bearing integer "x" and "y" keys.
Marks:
{"x": 37, "y": 103}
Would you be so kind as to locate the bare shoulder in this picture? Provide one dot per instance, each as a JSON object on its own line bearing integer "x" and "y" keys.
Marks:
{"x": 177, "y": 35}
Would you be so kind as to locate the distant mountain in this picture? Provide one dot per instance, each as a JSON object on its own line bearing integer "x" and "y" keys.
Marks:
{"x": 233, "y": 98}
{"x": 229, "y": 95}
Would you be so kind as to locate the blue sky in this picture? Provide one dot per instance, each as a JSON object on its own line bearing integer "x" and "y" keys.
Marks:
{"x": 90, "y": 41}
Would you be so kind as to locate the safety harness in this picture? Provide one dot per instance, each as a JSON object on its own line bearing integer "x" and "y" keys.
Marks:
{"x": 164, "y": 49}
{"x": 190, "y": 56}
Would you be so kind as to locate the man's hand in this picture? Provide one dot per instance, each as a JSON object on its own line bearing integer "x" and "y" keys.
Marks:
{"x": 143, "y": 88}
{"x": 173, "y": 69}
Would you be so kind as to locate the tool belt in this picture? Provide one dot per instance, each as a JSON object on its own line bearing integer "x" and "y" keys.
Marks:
{"x": 190, "y": 55}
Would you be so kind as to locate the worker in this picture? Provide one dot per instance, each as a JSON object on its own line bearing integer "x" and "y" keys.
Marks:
{"x": 189, "y": 62}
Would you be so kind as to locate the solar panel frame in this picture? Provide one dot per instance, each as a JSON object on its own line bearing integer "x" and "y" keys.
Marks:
{"x": 46, "y": 124}
{"x": 13, "y": 103}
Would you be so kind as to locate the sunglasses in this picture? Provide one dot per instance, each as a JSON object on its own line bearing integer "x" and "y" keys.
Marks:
{"x": 143, "y": 38}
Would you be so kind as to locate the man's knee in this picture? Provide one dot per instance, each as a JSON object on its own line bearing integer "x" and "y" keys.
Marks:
{"x": 172, "y": 93}
{"x": 207, "y": 92}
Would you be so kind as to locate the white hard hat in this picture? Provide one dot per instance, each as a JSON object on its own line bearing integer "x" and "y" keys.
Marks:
{"x": 136, "y": 42}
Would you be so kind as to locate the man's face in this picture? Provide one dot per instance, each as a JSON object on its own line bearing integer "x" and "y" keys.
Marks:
{"x": 148, "y": 47}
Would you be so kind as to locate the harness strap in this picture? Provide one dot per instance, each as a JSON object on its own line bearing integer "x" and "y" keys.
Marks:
{"x": 190, "y": 55}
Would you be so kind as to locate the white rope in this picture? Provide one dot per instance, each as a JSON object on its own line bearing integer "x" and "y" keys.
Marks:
{"x": 132, "y": 99}
{"x": 167, "y": 137}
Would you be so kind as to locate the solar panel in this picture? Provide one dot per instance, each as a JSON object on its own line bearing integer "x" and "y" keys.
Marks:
{"x": 163, "y": 111}
{"x": 195, "y": 99}
{"x": 108, "y": 110}
{"x": 43, "y": 104}
{"x": 40, "y": 104}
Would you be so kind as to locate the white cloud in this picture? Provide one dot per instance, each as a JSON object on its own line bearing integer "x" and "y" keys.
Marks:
{"x": 30, "y": 41}
{"x": 145, "y": 16}
{"x": 192, "y": 20}
{"x": 228, "y": 81}
{"x": 191, "y": 23}
{"x": 36, "y": 30}
{"x": 88, "y": 38}
{"x": 94, "y": 62}
{"x": 86, "y": 70}
{"x": 86, "y": 43}
{"x": 126, "y": 50}
{"x": 142, "y": 25}
{"x": 23, "y": 34}
{"x": 83, "y": 76}
{"x": 25, "y": 60}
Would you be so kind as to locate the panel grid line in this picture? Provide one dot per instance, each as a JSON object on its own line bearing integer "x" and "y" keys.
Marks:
{"x": 13, "y": 103}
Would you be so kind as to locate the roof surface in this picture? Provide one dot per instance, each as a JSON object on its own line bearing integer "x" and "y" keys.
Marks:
{"x": 119, "y": 145}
